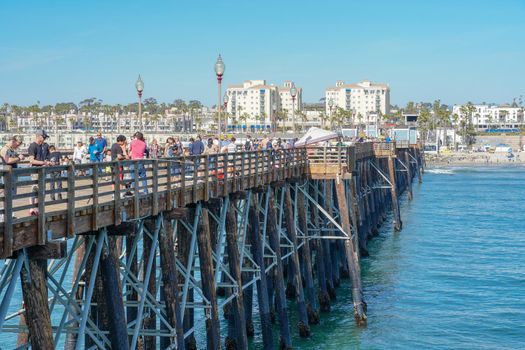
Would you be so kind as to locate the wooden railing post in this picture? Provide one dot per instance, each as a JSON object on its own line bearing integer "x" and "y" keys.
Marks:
{"x": 155, "y": 186}
{"x": 42, "y": 234}
{"x": 8, "y": 212}
{"x": 182, "y": 162}
{"x": 206, "y": 177}
{"x": 94, "y": 221}
{"x": 71, "y": 200}
{"x": 117, "y": 171}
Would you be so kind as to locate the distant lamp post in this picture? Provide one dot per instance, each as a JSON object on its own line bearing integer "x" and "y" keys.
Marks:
{"x": 225, "y": 99}
{"x": 274, "y": 119}
{"x": 330, "y": 106}
{"x": 220, "y": 67}
{"x": 225, "y": 105}
{"x": 140, "y": 87}
{"x": 293, "y": 93}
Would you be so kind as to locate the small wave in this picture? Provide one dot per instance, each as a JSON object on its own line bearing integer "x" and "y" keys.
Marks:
{"x": 440, "y": 171}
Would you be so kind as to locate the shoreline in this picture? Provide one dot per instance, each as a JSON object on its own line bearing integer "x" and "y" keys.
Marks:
{"x": 475, "y": 160}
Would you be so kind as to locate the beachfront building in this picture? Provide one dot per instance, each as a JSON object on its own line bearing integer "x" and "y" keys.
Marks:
{"x": 486, "y": 117}
{"x": 366, "y": 100}
{"x": 254, "y": 104}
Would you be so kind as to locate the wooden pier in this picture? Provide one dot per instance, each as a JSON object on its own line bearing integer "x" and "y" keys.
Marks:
{"x": 143, "y": 254}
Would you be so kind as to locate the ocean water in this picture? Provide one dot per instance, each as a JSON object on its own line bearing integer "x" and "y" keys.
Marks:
{"x": 453, "y": 278}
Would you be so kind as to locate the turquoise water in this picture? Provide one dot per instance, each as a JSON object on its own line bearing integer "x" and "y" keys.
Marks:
{"x": 454, "y": 278}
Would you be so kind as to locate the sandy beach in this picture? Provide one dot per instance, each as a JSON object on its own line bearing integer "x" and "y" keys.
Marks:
{"x": 474, "y": 158}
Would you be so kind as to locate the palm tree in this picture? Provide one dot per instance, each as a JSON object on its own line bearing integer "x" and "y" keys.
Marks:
{"x": 282, "y": 116}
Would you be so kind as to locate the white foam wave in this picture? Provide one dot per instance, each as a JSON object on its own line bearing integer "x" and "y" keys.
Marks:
{"x": 440, "y": 171}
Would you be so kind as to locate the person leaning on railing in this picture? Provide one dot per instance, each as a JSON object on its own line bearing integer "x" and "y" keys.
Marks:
{"x": 119, "y": 152}
{"x": 10, "y": 156}
{"x": 38, "y": 156}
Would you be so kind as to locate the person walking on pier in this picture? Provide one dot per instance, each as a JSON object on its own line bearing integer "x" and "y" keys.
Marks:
{"x": 38, "y": 156}
{"x": 79, "y": 154}
{"x": 94, "y": 151}
{"x": 137, "y": 149}
{"x": 103, "y": 145}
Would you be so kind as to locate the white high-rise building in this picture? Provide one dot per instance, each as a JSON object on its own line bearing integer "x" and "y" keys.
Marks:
{"x": 494, "y": 117}
{"x": 365, "y": 99}
{"x": 255, "y": 103}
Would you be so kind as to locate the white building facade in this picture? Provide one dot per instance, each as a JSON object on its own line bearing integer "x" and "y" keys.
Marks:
{"x": 256, "y": 103}
{"x": 367, "y": 100}
{"x": 494, "y": 117}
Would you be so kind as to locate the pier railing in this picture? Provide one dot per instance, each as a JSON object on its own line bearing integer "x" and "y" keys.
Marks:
{"x": 71, "y": 199}
{"x": 74, "y": 199}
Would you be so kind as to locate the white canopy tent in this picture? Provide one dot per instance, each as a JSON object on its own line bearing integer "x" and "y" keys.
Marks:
{"x": 315, "y": 135}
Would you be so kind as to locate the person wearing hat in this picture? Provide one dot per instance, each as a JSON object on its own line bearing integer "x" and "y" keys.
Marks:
{"x": 38, "y": 156}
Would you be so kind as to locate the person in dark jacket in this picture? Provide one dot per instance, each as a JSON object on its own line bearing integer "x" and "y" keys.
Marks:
{"x": 196, "y": 149}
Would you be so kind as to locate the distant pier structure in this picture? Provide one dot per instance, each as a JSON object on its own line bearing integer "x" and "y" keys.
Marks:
{"x": 158, "y": 253}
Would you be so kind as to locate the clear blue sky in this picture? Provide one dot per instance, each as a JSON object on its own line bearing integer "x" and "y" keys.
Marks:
{"x": 67, "y": 50}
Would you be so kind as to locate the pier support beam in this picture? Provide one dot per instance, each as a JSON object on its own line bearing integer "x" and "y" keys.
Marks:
{"x": 169, "y": 281}
{"x": 280, "y": 296}
{"x": 357, "y": 294}
{"x": 409, "y": 173}
{"x": 113, "y": 294}
{"x": 304, "y": 329}
{"x": 262, "y": 283}
{"x": 208, "y": 281}
{"x": 34, "y": 291}
{"x": 393, "y": 190}
{"x": 237, "y": 304}
{"x": 313, "y": 315}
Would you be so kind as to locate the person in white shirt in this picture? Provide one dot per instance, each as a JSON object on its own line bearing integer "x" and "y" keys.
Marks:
{"x": 79, "y": 153}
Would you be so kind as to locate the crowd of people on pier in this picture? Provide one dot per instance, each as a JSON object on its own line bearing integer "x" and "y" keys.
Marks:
{"x": 100, "y": 151}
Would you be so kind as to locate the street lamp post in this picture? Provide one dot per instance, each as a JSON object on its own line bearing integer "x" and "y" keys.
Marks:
{"x": 293, "y": 93}
{"x": 140, "y": 87}
{"x": 330, "y": 106}
{"x": 225, "y": 105}
{"x": 219, "y": 71}
{"x": 274, "y": 110}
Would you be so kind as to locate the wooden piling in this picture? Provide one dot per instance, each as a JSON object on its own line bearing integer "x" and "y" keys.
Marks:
{"x": 304, "y": 329}
{"x": 323, "y": 296}
{"x": 117, "y": 326}
{"x": 237, "y": 306}
{"x": 132, "y": 264}
{"x": 183, "y": 251}
{"x": 393, "y": 191}
{"x": 169, "y": 281}
{"x": 150, "y": 318}
{"x": 359, "y": 312}
{"x": 262, "y": 284}
{"x": 34, "y": 292}
{"x": 280, "y": 297}
{"x": 409, "y": 174}
{"x": 327, "y": 203}
{"x": 208, "y": 281}
{"x": 313, "y": 314}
